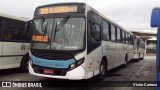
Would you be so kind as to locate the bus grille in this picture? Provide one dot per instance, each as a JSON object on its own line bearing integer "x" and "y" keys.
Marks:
{"x": 51, "y": 55}
{"x": 40, "y": 70}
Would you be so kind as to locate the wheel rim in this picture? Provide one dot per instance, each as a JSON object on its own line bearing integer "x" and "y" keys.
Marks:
{"x": 102, "y": 70}
{"x": 125, "y": 63}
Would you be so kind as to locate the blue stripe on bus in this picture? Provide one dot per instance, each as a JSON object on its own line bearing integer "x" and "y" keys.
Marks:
{"x": 62, "y": 64}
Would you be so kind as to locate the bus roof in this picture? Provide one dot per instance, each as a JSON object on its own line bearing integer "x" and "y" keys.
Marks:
{"x": 92, "y": 9}
{"x": 14, "y": 17}
{"x": 105, "y": 17}
{"x": 61, "y": 3}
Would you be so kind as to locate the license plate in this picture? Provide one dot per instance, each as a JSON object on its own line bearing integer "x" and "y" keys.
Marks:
{"x": 48, "y": 71}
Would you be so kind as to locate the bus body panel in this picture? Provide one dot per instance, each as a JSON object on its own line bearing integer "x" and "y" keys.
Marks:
{"x": 75, "y": 74}
{"x": 107, "y": 53}
{"x": 13, "y": 44}
{"x": 11, "y": 57}
{"x": 94, "y": 59}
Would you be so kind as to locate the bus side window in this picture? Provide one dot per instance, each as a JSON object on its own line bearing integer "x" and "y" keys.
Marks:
{"x": 96, "y": 32}
{"x": 132, "y": 40}
{"x": 105, "y": 30}
{"x": 118, "y": 35}
{"x": 124, "y": 33}
{"x": 129, "y": 42}
{"x": 29, "y": 32}
{"x": 127, "y": 38}
{"x": 14, "y": 31}
{"x": 113, "y": 33}
{"x": 89, "y": 30}
{"x": 138, "y": 43}
{"x": 121, "y": 35}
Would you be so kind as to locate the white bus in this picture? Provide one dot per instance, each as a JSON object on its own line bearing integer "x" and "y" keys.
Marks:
{"x": 14, "y": 43}
{"x": 139, "y": 48}
{"x": 74, "y": 41}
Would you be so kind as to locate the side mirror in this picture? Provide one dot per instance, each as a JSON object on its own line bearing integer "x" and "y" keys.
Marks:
{"x": 44, "y": 27}
{"x": 28, "y": 28}
{"x": 155, "y": 17}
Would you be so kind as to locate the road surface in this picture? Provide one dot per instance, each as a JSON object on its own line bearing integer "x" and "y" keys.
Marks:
{"x": 117, "y": 79}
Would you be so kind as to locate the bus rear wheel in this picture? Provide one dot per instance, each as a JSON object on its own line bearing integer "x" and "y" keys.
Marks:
{"x": 142, "y": 57}
{"x": 125, "y": 62}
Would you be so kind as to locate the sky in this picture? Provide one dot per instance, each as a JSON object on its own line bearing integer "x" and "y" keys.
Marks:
{"x": 130, "y": 14}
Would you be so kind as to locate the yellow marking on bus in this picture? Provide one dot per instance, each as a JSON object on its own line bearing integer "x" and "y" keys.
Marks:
{"x": 40, "y": 38}
{"x": 58, "y": 9}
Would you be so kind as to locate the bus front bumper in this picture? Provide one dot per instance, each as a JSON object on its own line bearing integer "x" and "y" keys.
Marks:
{"x": 75, "y": 74}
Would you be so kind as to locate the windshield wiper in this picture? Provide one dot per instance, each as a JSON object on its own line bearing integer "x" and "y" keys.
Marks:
{"x": 60, "y": 25}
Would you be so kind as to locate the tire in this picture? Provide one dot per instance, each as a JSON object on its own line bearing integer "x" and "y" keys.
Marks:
{"x": 138, "y": 59}
{"x": 139, "y": 56}
{"x": 126, "y": 61}
{"x": 142, "y": 57}
{"x": 24, "y": 63}
{"x": 103, "y": 68}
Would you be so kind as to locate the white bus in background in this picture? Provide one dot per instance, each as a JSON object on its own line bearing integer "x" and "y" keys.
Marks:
{"x": 74, "y": 41}
{"x": 139, "y": 48}
{"x": 14, "y": 42}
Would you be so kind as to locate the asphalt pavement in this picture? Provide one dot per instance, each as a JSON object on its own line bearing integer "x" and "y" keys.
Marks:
{"x": 137, "y": 72}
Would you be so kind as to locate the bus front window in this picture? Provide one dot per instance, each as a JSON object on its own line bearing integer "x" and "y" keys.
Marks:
{"x": 69, "y": 37}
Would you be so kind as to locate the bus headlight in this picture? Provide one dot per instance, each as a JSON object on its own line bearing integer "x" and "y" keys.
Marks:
{"x": 76, "y": 64}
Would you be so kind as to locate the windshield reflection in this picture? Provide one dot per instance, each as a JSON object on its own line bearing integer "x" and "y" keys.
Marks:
{"x": 69, "y": 37}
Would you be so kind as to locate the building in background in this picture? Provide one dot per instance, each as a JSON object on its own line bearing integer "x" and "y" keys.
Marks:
{"x": 150, "y": 39}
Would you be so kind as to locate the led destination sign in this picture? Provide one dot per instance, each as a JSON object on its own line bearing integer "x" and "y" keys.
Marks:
{"x": 40, "y": 38}
{"x": 58, "y": 9}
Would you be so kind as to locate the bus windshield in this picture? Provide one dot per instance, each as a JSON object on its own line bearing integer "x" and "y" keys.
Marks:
{"x": 69, "y": 37}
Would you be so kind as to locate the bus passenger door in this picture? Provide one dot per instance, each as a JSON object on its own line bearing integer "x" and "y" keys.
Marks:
{"x": 1, "y": 27}
{"x": 0, "y": 55}
{"x": 94, "y": 49}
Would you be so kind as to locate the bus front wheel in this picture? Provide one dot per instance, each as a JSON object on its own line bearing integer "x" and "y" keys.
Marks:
{"x": 102, "y": 72}
{"x": 24, "y": 63}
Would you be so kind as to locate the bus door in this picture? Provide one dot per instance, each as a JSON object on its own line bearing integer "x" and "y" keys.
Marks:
{"x": 155, "y": 22}
{"x": 94, "y": 49}
{"x": 135, "y": 47}
{"x": 1, "y": 24}
{"x": 0, "y": 54}
{"x": 134, "y": 43}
